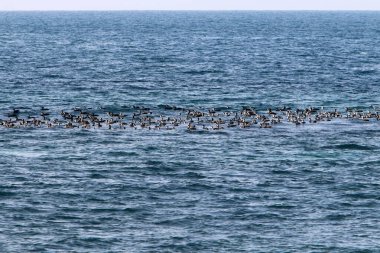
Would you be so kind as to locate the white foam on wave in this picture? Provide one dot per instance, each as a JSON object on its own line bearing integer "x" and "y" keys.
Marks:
{"x": 24, "y": 154}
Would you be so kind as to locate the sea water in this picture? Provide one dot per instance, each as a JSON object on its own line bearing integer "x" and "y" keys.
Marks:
{"x": 311, "y": 188}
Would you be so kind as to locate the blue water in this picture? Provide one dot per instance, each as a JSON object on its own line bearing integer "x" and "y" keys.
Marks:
{"x": 313, "y": 188}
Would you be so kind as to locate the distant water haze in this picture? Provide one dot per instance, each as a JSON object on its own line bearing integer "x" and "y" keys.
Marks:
{"x": 190, "y": 5}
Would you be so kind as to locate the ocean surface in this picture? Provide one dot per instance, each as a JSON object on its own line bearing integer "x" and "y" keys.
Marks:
{"x": 310, "y": 188}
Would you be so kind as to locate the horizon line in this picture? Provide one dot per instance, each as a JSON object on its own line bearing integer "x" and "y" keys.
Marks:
{"x": 192, "y": 10}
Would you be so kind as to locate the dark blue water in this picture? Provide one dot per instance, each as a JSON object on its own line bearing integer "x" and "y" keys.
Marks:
{"x": 313, "y": 188}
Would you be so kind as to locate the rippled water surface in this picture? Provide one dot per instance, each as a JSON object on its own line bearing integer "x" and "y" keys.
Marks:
{"x": 312, "y": 188}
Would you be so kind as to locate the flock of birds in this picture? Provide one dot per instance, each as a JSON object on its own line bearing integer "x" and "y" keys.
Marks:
{"x": 170, "y": 117}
